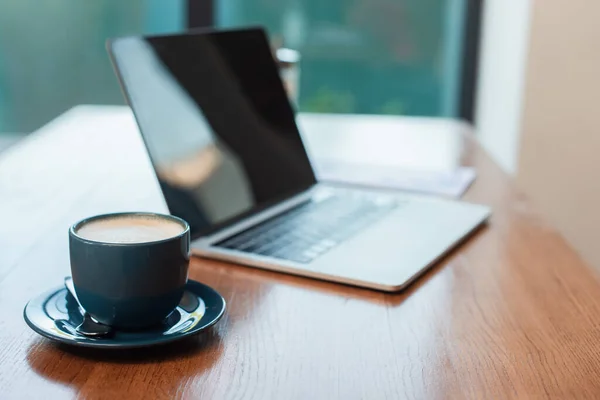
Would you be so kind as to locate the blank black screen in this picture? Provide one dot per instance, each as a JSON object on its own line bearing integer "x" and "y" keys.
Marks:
{"x": 216, "y": 121}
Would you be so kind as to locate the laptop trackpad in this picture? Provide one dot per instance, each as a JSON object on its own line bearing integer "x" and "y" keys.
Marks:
{"x": 403, "y": 244}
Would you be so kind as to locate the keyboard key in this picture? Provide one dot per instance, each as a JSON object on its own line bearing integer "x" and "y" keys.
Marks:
{"x": 249, "y": 247}
{"x": 267, "y": 249}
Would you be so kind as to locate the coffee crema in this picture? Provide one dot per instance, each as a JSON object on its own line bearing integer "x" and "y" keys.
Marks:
{"x": 130, "y": 229}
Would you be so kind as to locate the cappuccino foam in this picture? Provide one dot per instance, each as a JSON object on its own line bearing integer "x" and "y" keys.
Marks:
{"x": 130, "y": 229}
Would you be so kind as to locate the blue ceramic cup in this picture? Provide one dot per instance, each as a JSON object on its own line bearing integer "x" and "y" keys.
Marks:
{"x": 130, "y": 269}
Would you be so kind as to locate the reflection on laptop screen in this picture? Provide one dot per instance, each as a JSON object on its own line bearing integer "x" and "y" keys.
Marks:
{"x": 216, "y": 120}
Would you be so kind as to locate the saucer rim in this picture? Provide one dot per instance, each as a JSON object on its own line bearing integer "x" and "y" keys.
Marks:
{"x": 108, "y": 343}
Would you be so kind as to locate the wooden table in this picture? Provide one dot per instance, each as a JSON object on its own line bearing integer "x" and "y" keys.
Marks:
{"x": 513, "y": 312}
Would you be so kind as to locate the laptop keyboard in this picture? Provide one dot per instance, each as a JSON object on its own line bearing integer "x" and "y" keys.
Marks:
{"x": 311, "y": 229}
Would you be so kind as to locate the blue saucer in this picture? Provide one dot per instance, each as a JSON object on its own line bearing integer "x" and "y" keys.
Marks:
{"x": 55, "y": 314}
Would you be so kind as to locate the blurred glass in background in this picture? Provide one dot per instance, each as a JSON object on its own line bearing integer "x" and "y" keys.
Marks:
{"x": 401, "y": 57}
{"x": 53, "y": 57}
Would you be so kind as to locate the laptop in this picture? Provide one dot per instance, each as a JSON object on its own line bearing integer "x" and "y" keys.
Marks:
{"x": 229, "y": 158}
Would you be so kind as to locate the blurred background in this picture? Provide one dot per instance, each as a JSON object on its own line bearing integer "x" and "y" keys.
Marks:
{"x": 375, "y": 57}
{"x": 522, "y": 72}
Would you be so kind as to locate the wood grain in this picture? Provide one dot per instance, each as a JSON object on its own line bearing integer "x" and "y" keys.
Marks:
{"x": 512, "y": 313}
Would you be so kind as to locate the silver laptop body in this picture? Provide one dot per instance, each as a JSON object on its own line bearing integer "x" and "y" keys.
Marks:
{"x": 229, "y": 158}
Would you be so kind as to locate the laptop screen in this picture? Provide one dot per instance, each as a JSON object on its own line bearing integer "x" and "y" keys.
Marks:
{"x": 216, "y": 121}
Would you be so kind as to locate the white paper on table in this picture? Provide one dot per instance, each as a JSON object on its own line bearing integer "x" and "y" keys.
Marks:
{"x": 450, "y": 183}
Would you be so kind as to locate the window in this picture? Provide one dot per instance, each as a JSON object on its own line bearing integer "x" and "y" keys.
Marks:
{"x": 52, "y": 53}
{"x": 401, "y": 57}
